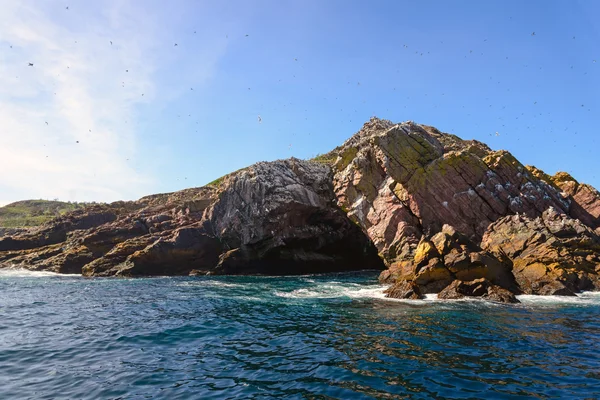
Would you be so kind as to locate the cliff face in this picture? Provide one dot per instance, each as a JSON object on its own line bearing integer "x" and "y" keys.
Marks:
{"x": 428, "y": 199}
{"x": 271, "y": 218}
{"x": 438, "y": 213}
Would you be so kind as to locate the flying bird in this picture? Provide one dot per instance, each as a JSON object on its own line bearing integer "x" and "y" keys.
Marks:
{"x": 31, "y": 64}
{"x": 67, "y": 7}
{"x": 532, "y": 33}
{"x": 111, "y": 42}
{"x": 46, "y": 122}
{"x": 175, "y": 44}
{"x": 259, "y": 119}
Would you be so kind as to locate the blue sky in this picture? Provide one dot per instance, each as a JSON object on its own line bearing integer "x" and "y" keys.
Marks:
{"x": 91, "y": 120}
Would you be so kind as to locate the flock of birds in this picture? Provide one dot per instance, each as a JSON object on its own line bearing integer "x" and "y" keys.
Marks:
{"x": 405, "y": 46}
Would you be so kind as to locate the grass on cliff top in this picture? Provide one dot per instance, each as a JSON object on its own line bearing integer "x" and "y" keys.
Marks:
{"x": 327, "y": 158}
{"x": 217, "y": 182}
{"x": 29, "y": 213}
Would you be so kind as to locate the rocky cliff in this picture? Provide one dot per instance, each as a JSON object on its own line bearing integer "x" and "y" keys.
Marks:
{"x": 436, "y": 213}
{"x": 441, "y": 209}
{"x": 271, "y": 218}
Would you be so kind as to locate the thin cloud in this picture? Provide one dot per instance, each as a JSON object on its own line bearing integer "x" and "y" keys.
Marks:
{"x": 76, "y": 91}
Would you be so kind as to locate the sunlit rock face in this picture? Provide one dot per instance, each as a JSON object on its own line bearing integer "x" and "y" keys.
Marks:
{"x": 436, "y": 213}
{"x": 409, "y": 185}
{"x": 275, "y": 218}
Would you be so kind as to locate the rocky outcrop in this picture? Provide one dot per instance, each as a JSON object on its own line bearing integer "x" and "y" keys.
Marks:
{"x": 271, "y": 218}
{"x": 427, "y": 199}
{"x": 11, "y": 231}
{"x": 433, "y": 211}
{"x": 282, "y": 218}
{"x": 481, "y": 288}
{"x": 551, "y": 255}
{"x": 404, "y": 290}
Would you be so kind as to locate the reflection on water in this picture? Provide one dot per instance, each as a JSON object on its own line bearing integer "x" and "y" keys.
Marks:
{"x": 297, "y": 337}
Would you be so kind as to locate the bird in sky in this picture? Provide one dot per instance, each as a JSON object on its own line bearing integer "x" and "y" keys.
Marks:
{"x": 31, "y": 64}
{"x": 259, "y": 119}
{"x": 111, "y": 42}
{"x": 46, "y": 122}
{"x": 532, "y": 33}
{"x": 175, "y": 44}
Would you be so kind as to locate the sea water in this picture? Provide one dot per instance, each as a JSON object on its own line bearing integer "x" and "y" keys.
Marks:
{"x": 313, "y": 337}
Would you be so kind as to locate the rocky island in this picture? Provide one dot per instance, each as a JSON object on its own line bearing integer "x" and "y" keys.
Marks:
{"x": 433, "y": 212}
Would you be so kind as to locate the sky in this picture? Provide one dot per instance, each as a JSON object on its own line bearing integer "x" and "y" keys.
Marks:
{"x": 129, "y": 98}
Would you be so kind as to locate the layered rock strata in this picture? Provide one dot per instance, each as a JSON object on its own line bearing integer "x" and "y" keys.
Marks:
{"x": 437, "y": 213}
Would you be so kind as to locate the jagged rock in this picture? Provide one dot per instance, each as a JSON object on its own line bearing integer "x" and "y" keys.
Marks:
{"x": 270, "y": 218}
{"x": 448, "y": 256}
{"x": 11, "y": 231}
{"x": 404, "y": 290}
{"x": 432, "y": 208}
{"x": 586, "y": 199}
{"x": 551, "y": 254}
{"x": 281, "y": 218}
{"x": 403, "y": 181}
{"x": 477, "y": 288}
{"x": 434, "y": 276}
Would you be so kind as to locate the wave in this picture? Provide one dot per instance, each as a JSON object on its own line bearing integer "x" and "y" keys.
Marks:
{"x": 25, "y": 273}
{"x": 213, "y": 283}
{"x": 584, "y": 298}
{"x": 334, "y": 289}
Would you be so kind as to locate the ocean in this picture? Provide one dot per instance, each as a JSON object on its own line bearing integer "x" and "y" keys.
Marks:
{"x": 305, "y": 337}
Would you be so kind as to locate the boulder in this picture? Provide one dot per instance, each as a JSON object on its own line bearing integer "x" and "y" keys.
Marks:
{"x": 404, "y": 290}
{"x": 550, "y": 254}
{"x": 477, "y": 288}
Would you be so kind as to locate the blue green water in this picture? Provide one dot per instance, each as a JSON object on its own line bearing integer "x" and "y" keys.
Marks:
{"x": 313, "y": 337}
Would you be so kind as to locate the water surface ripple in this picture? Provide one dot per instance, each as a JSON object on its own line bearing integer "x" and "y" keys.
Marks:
{"x": 313, "y": 337}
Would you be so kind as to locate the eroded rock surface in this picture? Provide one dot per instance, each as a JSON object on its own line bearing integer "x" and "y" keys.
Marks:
{"x": 481, "y": 288}
{"x": 409, "y": 185}
{"x": 435, "y": 211}
{"x": 552, "y": 254}
{"x": 271, "y": 218}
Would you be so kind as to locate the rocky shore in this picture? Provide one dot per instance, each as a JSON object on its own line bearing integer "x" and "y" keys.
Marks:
{"x": 433, "y": 212}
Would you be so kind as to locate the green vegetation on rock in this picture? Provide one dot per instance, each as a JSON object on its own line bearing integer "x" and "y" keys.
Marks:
{"x": 28, "y": 213}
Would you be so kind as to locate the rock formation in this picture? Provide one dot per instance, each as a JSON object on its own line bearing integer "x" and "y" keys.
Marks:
{"x": 438, "y": 213}
{"x": 271, "y": 218}
{"x": 427, "y": 200}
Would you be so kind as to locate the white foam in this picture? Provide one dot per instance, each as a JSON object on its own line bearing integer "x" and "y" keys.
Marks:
{"x": 25, "y": 273}
{"x": 335, "y": 289}
{"x": 212, "y": 283}
{"x": 584, "y": 298}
